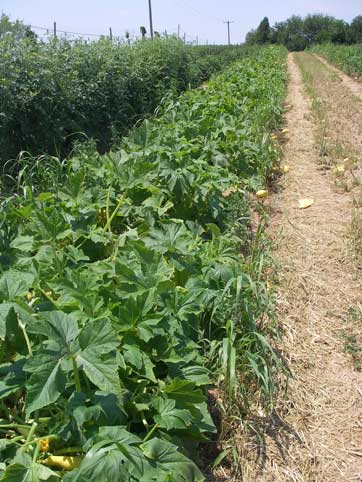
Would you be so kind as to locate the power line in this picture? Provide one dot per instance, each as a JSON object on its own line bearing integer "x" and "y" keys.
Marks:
{"x": 48, "y": 29}
{"x": 53, "y": 31}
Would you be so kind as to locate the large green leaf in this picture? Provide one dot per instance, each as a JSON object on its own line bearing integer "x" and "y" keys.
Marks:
{"x": 170, "y": 462}
{"x": 103, "y": 372}
{"x": 169, "y": 417}
{"x": 98, "y": 337}
{"x": 109, "y": 462}
{"x": 12, "y": 378}
{"x": 96, "y": 340}
{"x": 47, "y": 381}
{"x": 59, "y": 327}
{"x": 33, "y": 473}
{"x": 184, "y": 392}
{"x": 4, "y": 312}
{"x": 14, "y": 284}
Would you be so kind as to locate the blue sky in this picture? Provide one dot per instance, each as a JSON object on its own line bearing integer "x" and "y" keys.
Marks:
{"x": 197, "y": 17}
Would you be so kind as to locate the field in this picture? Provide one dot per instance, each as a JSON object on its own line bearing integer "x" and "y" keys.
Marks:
{"x": 346, "y": 57}
{"x": 133, "y": 281}
{"x": 55, "y": 93}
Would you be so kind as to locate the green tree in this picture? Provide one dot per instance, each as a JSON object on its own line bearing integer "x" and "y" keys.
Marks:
{"x": 251, "y": 37}
{"x": 263, "y": 32}
{"x": 291, "y": 34}
{"x": 355, "y": 33}
{"x": 17, "y": 29}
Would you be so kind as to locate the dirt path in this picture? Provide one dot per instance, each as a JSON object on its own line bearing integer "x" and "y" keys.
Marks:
{"x": 319, "y": 437}
{"x": 338, "y": 108}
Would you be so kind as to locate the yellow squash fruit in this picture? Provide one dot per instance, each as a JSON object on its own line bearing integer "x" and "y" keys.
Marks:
{"x": 262, "y": 194}
{"x": 285, "y": 169}
{"x": 285, "y": 131}
{"x": 62, "y": 462}
{"x": 305, "y": 203}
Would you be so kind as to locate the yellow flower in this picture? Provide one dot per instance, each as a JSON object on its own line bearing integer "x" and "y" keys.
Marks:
{"x": 44, "y": 445}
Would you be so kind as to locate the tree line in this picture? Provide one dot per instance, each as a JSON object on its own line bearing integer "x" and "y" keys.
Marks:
{"x": 298, "y": 33}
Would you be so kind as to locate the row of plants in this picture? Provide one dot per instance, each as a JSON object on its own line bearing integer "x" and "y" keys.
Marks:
{"x": 131, "y": 282}
{"x": 53, "y": 93}
{"x": 346, "y": 57}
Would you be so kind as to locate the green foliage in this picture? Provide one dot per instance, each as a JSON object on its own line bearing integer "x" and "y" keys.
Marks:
{"x": 346, "y": 57}
{"x": 297, "y": 33}
{"x": 263, "y": 32}
{"x": 355, "y": 32}
{"x": 58, "y": 92}
{"x": 17, "y": 30}
{"x": 126, "y": 282}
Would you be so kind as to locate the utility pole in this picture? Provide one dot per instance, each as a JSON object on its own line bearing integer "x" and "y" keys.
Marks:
{"x": 228, "y": 24}
{"x": 110, "y": 34}
{"x": 151, "y": 21}
{"x": 178, "y": 31}
{"x": 55, "y": 29}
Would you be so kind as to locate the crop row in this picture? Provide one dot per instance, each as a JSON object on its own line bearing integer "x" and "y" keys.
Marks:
{"x": 54, "y": 93}
{"x": 346, "y": 57}
{"x": 132, "y": 281}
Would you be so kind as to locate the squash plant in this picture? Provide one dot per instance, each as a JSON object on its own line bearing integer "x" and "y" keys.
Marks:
{"x": 127, "y": 278}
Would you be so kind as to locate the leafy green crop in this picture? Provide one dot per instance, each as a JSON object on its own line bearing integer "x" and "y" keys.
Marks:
{"x": 57, "y": 92}
{"x": 125, "y": 279}
{"x": 346, "y": 57}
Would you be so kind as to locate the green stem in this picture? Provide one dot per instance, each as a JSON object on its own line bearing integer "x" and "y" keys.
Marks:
{"x": 76, "y": 375}
{"x": 17, "y": 439}
{"x": 49, "y": 298}
{"x": 36, "y": 452}
{"x": 107, "y": 202}
{"x": 86, "y": 381}
{"x": 31, "y": 433}
{"x": 14, "y": 425}
{"x": 114, "y": 214}
{"x": 23, "y": 329}
{"x": 144, "y": 421}
{"x": 150, "y": 433}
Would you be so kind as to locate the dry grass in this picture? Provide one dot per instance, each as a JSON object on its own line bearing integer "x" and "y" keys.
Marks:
{"x": 314, "y": 432}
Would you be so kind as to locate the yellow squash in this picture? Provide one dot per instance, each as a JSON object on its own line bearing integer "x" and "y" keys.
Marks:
{"x": 262, "y": 194}
{"x": 305, "y": 203}
{"x": 63, "y": 463}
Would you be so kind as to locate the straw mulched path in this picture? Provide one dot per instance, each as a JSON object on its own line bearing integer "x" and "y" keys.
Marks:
{"x": 320, "y": 429}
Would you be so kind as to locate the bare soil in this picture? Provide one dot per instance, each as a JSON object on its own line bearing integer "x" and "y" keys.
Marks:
{"x": 315, "y": 435}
